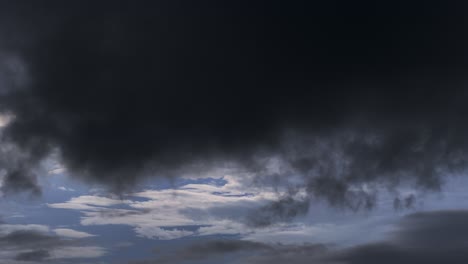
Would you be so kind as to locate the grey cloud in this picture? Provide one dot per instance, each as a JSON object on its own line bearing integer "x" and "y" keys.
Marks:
{"x": 282, "y": 210}
{"x": 115, "y": 213}
{"x": 37, "y": 255}
{"x": 437, "y": 230}
{"x": 31, "y": 245}
{"x": 241, "y": 251}
{"x": 407, "y": 202}
{"x": 221, "y": 247}
{"x": 427, "y": 237}
{"x": 17, "y": 169}
{"x": 390, "y": 253}
{"x": 30, "y": 239}
{"x": 350, "y": 167}
{"x": 34, "y": 245}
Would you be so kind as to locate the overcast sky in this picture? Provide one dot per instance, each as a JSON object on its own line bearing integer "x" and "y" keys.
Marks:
{"x": 233, "y": 132}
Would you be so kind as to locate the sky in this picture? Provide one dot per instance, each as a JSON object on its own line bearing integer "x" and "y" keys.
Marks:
{"x": 143, "y": 132}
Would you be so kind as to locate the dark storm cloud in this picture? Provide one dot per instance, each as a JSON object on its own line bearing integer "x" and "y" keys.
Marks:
{"x": 282, "y": 210}
{"x": 404, "y": 203}
{"x": 348, "y": 96}
{"x": 20, "y": 180}
{"x": 17, "y": 168}
{"x": 430, "y": 237}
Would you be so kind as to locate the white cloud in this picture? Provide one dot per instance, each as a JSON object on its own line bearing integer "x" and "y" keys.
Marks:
{"x": 96, "y": 200}
{"x": 70, "y": 233}
{"x": 72, "y": 206}
{"x": 5, "y": 119}
{"x": 88, "y": 202}
{"x": 55, "y": 171}
{"x": 164, "y": 214}
{"x": 161, "y": 234}
{"x": 77, "y": 252}
{"x": 6, "y": 229}
{"x": 65, "y": 189}
{"x": 172, "y": 207}
{"x": 225, "y": 227}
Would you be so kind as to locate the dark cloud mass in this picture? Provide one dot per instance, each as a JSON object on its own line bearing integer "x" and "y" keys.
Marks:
{"x": 283, "y": 210}
{"x": 342, "y": 94}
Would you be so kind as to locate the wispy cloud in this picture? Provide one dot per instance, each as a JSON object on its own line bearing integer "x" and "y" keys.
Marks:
{"x": 70, "y": 233}
{"x": 63, "y": 188}
{"x": 38, "y": 243}
{"x": 165, "y": 214}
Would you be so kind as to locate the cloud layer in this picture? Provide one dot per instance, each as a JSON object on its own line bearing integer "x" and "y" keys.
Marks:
{"x": 37, "y": 243}
{"x": 124, "y": 90}
{"x": 430, "y": 237}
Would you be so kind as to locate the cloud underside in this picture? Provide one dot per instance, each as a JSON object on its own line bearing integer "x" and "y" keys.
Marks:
{"x": 432, "y": 237}
{"x": 120, "y": 92}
